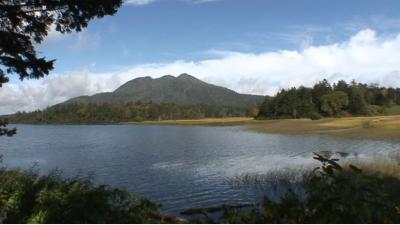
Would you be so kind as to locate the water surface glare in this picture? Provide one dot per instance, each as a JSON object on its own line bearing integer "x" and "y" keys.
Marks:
{"x": 177, "y": 166}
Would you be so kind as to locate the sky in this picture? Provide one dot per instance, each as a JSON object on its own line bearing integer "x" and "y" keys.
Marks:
{"x": 250, "y": 46}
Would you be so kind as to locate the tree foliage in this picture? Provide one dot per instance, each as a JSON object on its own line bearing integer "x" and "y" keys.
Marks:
{"x": 292, "y": 103}
{"x": 320, "y": 89}
{"x": 4, "y": 131}
{"x": 323, "y": 99}
{"x": 358, "y": 104}
{"x": 26, "y": 197}
{"x": 124, "y": 112}
{"x": 332, "y": 104}
{"x": 25, "y": 22}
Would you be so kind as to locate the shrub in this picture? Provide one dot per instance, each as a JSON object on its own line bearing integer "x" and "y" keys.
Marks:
{"x": 373, "y": 110}
{"x": 394, "y": 110}
{"x": 334, "y": 194}
{"x": 315, "y": 116}
{"x": 345, "y": 114}
{"x": 26, "y": 197}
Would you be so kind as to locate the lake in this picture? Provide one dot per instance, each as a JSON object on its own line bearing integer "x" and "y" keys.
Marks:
{"x": 177, "y": 166}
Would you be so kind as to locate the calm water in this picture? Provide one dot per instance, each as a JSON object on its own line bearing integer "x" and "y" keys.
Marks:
{"x": 176, "y": 166}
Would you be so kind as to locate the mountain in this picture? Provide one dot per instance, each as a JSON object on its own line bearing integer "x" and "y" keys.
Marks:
{"x": 182, "y": 90}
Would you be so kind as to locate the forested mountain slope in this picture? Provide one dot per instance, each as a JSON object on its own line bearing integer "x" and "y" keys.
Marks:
{"x": 181, "y": 90}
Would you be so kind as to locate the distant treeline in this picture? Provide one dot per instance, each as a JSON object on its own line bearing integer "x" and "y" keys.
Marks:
{"x": 124, "y": 112}
{"x": 326, "y": 100}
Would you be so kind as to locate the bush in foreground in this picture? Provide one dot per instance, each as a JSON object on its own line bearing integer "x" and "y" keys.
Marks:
{"x": 26, "y": 197}
{"x": 334, "y": 194}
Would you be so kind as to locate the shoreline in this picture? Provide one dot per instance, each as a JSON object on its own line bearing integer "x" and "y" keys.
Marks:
{"x": 374, "y": 127}
{"x": 229, "y": 121}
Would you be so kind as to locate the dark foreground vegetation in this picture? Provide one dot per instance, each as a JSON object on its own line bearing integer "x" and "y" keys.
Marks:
{"x": 124, "y": 112}
{"x": 333, "y": 194}
{"x": 26, "y": 197}
{"x": 326, "y": 100}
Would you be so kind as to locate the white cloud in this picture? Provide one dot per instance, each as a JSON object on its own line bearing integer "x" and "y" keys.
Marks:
{"x": 78, "y": 41}
{"x": 146, "y": 2}
{"x": 38, "y": 94}
{"x": 139, "y": 2}
{"x": 366, "y": 57}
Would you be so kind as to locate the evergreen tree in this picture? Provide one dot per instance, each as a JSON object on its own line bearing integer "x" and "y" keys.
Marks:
{"x": 355, "y": 98}
{"x": 25, "y": 22}
{"x": 305, "y": 106}
{"x": 357, "y": 103}
{"x": 334, "y": 103}
{"x": 320, "y": 89}
{"x": 341, "y": 85}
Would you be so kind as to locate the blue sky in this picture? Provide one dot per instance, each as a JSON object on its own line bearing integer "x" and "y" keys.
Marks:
{"x": 168, "y": 30}
{"x": 250, "y": 46}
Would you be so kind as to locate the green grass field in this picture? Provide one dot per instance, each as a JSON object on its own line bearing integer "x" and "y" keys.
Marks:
{"x": 394, "y": 110}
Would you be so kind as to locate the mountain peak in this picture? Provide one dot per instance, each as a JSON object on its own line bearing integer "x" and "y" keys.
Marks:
{"x": 167, "y": 77}
{"x": 181, "y": 90}
{"x": 141, "y": 79}
{"x": 183, "y": 76}
{"x": 186, "y": 76}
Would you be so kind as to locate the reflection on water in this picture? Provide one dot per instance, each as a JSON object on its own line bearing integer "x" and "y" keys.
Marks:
{"x": 177, "y": 166}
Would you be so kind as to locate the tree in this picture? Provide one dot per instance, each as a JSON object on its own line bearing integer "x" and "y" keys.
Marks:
{"x": 268, "y": 108}
{"x": 4, "y": 130}
{"x": 357, "y": 103}
{"x": 305, "y": 105}
{"x": 332, "y": 104}
{"x": 291, "y": 103}
{"x": 341, "y": 85}
{"x": 319, "y": 90}
{"x": 25, "y": 22}
{"x": 392, "y": 96}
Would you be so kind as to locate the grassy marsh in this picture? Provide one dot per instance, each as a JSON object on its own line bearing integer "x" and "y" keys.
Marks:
{"x": 375, "y": 127}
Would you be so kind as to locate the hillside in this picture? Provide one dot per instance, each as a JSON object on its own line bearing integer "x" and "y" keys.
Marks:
{"x": 165, "y": 98}
{"x": 181, "y": 90}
